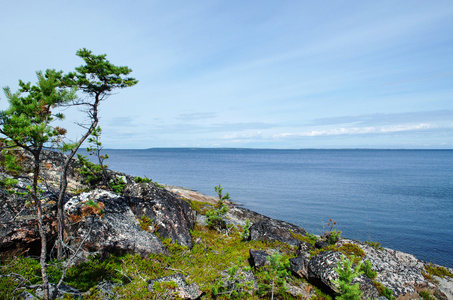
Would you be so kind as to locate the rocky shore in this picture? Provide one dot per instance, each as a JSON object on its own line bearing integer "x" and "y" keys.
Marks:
{"x": 145, "y": 217}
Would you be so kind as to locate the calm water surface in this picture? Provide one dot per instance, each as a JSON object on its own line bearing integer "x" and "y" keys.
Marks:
{"x": 401, "y": 198}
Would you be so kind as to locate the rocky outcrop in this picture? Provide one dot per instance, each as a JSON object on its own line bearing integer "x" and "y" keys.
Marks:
{"x": 275, "y": 230}
{"x": 172, "y": 217}
{"x": 321, "y": 272}
{"x": 258, "y": 258}
{"x": 106, "y": 225}
{"x": 400, "y": 272}
{"x": 182, "y": 291}
{"x": 18, "y": 223}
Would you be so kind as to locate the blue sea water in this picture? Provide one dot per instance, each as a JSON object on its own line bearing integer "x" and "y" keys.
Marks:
{"x": 400, "y": 198}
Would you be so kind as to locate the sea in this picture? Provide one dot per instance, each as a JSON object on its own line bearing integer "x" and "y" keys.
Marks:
{"x": 400, "y": 198}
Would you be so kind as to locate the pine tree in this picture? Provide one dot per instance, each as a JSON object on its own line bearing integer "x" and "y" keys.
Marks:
{"x": 26, "y": 124}
{"x": 97, "y": 79}
{"x": 346, "y": 274}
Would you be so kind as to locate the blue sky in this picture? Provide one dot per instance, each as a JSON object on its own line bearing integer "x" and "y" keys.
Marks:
{"x": 260, "y": 74}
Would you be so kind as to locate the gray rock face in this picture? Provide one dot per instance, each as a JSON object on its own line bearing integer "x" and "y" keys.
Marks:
{"x": 115, "y": 231}
{"x": 321, "y": 271}
{"x": 258, "y": 258}
{"x": 183, "y": 291}
{"x": 275, "y": 230}
{"x": 242, "y": 280}
{"x": 299, "y": 265}
{"x": 400, "y": 272}
{"x": 173, "y": 217}
{"x": 18, "y": 223}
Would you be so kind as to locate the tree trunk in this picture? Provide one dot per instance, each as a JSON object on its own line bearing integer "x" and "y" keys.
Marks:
{"x": 64, "y": 183}
{"x": 42, "y": 233}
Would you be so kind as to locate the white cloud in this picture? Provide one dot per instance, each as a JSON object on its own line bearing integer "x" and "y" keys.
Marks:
{"x": 364, "y": 130}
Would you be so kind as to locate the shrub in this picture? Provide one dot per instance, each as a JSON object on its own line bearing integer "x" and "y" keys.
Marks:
{"x": 139, "y": 179}
{"x": 346, "y": 274}
{"x": 352, "y": 250}
{"x": 237, "y": 286}
{"x": 367, "y": 269}
{"x": 215, "y": 217}
{"x": 145, "y": 222}
{"x": 438, "y": 271}
{"x": 118, "y": 185}
{"x": 384, "y": 291}
{"x": 273, "y": 276}
{"x": 333, "y": 236}
{"x": 246, "y": 231}
{"x": 375, "y": 245}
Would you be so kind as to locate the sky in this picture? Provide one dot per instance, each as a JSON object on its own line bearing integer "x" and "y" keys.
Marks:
{"x": 250, "y": 74}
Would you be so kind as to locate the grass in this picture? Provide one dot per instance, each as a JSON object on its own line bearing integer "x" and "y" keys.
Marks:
{"x": 211, "y": 254}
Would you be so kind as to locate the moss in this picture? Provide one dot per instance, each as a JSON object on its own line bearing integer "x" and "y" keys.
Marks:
{"x": 308, "y": 238}
{"x": 352, "y": 249}
{"x": 426, "y": 295}
{"x": 384, "y": 291}
{"x": 199, "y": 207}
{"x": 375, "y": 245}
{"x": 139, "y": 179}
{"x": 316, "y": 252}
{"x": 438, "y": 271}
{"x": 145, "y": 223}
{"x": 347, "y": 249}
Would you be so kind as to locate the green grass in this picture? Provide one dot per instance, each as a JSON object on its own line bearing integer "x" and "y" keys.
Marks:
{"x": 211, "y": 254}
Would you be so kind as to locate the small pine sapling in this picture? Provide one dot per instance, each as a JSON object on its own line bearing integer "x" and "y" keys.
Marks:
{"x": 274, "y": 279}
{"x": 346, "y": 274}
{"x": 246, "y": 231}
{"x": 215, "y": 218}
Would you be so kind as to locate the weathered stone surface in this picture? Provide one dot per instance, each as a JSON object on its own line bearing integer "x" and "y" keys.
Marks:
{"x": 321, "y": 244}
{"x": 258, "y": 258}
{"x": 242, "y": 280}
{"x": 275, "y": 230}
{"x": 369, "y": 291}
{"x": 305, "y": 290}
{"x": 400, "y": 272}
{"x": 18, "y": 223}
{"x": 173, "y": 217}
{"x": 184, "y": 290}
{"x": 445, "y": 287}
{"x": 321, "y": 272}
{"x": 299, "y": 266}
{"x": 62, "y": 291}
{"x": 304, "y": 249}
{"x": 117, "y": 230}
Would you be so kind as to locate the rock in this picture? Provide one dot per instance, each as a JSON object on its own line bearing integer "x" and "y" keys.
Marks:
{"x": 62, "y": 291}
{"x": 299, "y": 266}
{"x": 183, "y": 291}
{"x": 305, "y": 291}
{"x": 321, "y": 272}
{"x": 445, "y": 287}
{"x": 304, "y": 249}
{"x": 26, "y": 296}
{"x": 321, "y": 244}
{"x": 369, "y": 291}
{"x": 172, "y": 216}
{"x": 105, "y": 290}
{"x": 18, "y": 221}
{"x": 258, "y": 258}
{"x": 275, "y": 230}
{"x": 114, "y": 231}
{"x": 400, "y": 272}
{"x": 242, "y": 280}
